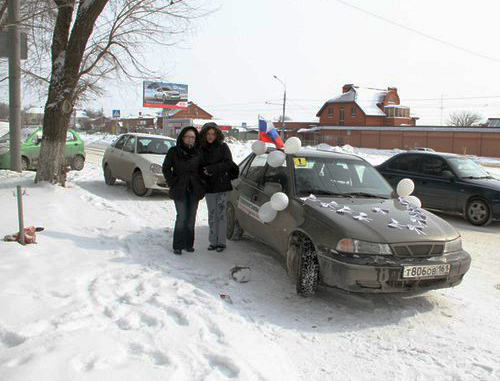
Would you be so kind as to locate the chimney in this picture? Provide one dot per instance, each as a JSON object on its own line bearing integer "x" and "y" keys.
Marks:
{"x": 347, "y": 87}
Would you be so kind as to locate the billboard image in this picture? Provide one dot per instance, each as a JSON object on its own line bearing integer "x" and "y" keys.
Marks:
{"x": 164, "y": 95}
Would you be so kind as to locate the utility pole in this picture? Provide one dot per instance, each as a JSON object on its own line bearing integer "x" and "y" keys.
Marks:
{"x": 282, "y": 134}
{"x": 14, "y": 85}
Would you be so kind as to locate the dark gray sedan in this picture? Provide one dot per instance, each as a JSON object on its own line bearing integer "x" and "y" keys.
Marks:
{"x": 344, "y": 226}
{"x": 448, "y": 182}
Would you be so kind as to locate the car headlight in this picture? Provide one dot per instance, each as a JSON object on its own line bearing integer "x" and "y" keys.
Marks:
{"x": 451, "y": 246}
{"x": 355, "y": 246}
{"x": 155, "y": 168}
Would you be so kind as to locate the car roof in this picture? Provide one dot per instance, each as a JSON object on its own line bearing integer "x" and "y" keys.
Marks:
{"x": 443, "y": 154}
{"x": 143, "y": 135}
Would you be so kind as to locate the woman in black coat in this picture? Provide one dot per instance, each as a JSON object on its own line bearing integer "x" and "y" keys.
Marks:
{"x": 183, "y": 171}
{"x": 217, "y": 160}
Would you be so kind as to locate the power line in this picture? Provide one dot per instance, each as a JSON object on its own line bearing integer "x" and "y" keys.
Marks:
{"x": 418, "y": 32}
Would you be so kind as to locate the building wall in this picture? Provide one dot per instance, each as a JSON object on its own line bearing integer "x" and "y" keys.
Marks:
{"x": 480, "y": 143}
{"x": 360, "y": 119}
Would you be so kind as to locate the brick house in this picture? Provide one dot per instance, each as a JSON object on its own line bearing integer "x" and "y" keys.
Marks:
{"x": 192, "y": 111}
{"x": 358, "y": 106}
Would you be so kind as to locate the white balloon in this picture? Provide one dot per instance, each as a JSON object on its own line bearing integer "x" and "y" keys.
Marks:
{"x": 267, "y": 213}
{"x": 279, "y": 201}
{"x": 405, "y": 187}
{"x": 276, "y": 158}
{"x": 259, "y": 147}
{"x": 414, "y": 200}
{"x": 292, "y": 145}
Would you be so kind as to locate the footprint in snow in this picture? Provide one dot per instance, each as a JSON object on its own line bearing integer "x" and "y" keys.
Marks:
{"x": 155, "y": 356}
{"x": 10, "y": 339}
{"x": 177, "y": 315}
{"x": 225, "y": 365}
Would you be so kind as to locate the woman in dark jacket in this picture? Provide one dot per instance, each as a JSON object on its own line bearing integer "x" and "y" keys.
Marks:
{"x": 217, "y": 160}
{"x": 183, "y": 171}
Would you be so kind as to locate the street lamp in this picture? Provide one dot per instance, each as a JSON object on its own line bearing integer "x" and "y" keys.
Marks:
{"x": 282, "y": 134}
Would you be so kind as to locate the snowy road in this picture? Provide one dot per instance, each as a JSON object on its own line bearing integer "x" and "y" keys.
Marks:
{"x": 102, "y": 297}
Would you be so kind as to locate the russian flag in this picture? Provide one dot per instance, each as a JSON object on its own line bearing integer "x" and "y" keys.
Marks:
{"x": 267, "y": 133}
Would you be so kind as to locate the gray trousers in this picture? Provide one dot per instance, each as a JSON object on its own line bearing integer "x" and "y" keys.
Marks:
{"x": 217, "y": 221}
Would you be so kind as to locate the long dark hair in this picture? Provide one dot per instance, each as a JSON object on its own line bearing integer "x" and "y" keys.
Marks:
{"x": 207, "y": 127}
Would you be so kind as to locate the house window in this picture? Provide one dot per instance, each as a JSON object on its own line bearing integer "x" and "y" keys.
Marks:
{"x": 330, "y": 112}
{"x": 391, "y": 100}
{"x": 353, "y": 112}
{"x": 397, "y": 112}
{"x": 341, "y": 118}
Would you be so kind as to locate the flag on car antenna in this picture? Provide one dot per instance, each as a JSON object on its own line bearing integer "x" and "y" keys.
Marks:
{"x": 267, "y": 133}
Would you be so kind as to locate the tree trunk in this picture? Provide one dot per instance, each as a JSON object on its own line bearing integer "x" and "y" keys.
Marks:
{"x": 68, "y": 46}
{"x": 52, "y": 164}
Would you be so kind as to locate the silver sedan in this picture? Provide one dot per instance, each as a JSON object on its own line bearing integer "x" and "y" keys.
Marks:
{"x": 137, "y": 159}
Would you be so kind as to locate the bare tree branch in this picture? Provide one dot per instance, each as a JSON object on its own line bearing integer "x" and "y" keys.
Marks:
{"x": 464, "y": 119}
{"x": 89, "y": 40}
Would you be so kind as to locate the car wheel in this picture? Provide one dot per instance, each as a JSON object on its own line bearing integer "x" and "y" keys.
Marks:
{"x": 24, "y": 163}
{"x": 78, "y": 162}
{"x": 478, "y": 212}
{"x": 234, "y": 230}
{"x": 138, "y": 185}
{"x": 108, "y": 176}
{"x": 307, "y": 278}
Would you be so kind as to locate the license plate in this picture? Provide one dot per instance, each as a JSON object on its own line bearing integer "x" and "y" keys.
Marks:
{"x": 425, "y": 271}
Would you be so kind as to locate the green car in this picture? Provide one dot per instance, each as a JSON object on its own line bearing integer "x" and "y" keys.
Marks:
{"x": 30, "y": 149}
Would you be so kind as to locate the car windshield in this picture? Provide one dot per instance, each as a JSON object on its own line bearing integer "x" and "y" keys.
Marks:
{"x": 339, "y": 177}
{"x": 157, "y": 146}
{"x": 25, "y": 134}
{"x": 467, "y": 168}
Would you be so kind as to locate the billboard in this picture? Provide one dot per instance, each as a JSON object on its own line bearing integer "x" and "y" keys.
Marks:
{"x": 164, "y": 95}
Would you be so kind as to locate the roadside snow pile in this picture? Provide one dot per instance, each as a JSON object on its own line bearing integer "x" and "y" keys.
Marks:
{"x": 97, "y": 139}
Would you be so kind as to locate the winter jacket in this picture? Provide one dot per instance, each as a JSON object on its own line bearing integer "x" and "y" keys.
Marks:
{"x": 217, "y": 160}
{"x": 183, "y": 169}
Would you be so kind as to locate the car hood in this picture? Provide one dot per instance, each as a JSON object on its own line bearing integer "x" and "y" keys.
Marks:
{"x": 493, "y": 184}
{"x": 152, "y": 158}
{"x": 382, "y": 221}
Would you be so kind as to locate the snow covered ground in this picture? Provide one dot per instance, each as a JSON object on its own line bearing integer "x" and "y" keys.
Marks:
{"x": 101, "y": 297}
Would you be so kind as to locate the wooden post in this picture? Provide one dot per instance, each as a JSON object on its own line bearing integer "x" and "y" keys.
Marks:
{"x": 20, "y": 214}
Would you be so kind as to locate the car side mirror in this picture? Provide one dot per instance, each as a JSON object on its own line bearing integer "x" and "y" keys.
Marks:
{"x": 271, "y": 188}
{"x": 447, "y": 174}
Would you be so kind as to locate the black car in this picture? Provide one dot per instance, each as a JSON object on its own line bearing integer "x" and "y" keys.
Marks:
{"x": 447, "y": 182}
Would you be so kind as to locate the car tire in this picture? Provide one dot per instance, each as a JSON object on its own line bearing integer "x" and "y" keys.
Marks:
{"x": 234, "y": 230}
{"x": 24, "y": 163}
{"x": 307, "y": 278}
{"x": 77, "y": 162}
{"x": 108, "y": 176}
{"x": 138, "y": 185}
{"x": 478, "y": 212}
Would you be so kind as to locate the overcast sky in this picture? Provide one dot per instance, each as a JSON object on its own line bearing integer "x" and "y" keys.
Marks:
{"x": 317, "y": 46}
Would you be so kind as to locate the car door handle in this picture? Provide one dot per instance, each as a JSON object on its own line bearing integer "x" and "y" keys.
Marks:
{"x": 255, "y": 198}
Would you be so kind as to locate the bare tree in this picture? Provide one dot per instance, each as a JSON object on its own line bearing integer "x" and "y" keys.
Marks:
{"x": 280, "y": 118}
{"x": 90, "y": 40}
{"x": 464, "y": 119}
